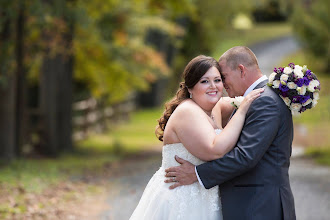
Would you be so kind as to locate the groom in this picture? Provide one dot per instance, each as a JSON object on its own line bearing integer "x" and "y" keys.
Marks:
{"x": 253, "y": 177}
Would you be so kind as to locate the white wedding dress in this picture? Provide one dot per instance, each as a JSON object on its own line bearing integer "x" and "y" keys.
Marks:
{"x": 191, "y": 202}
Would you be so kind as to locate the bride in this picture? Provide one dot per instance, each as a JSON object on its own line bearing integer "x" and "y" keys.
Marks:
{"x": 190, "y": 131}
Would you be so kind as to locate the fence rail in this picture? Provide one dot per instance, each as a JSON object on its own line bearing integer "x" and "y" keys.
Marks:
{"x": 91, "y": 116}
{"x": 88, "y": 116}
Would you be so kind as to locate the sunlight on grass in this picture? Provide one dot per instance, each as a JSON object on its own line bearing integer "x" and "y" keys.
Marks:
{"x": 91, "y": 155}
{"x": 34, "y": 175}
{"x": 321, "y": 154}
{"x": 136, "y": 134}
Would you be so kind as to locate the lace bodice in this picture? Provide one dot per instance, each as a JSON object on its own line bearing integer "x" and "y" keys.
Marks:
{"x": 192, "y": 202}
{"x": 170, "y": 150}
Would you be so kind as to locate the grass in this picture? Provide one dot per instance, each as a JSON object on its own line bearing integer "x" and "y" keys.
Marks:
{"x": 316, "y": 120}
{"x": 90, "y": 162}
{"x": 135, "y": 135}
{"x": 258, "y": 33}
{"x": 34, "y": 175}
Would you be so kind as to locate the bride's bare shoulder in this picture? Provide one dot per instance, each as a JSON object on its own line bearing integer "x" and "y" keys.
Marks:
{"x": 187, "y": 107}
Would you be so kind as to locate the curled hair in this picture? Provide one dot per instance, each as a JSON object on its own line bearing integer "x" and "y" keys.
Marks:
{"x": 192, "y": 73}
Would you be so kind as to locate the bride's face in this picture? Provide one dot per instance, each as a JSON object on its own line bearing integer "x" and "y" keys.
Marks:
{"x": 207, "y": 92}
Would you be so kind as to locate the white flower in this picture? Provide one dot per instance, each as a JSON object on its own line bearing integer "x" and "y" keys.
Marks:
{"x": 298, "y": 71}
{"x": 307, "y": 102}
{"x": 271, "y": 77}
{"x": 304, "y": 68}
{"x": 276, "y": 84}
{"x": 301, "y": 90}
{"x": 286, "y": 100}
{"x": 314, "y": 83}
{"x": 316, "y": 96}
{"x": 284, "y": 77}
{"x": 237, "y": 101}
{"x": 314, "y": 103}
{"x": 295, "y": 107}
{"x": 287, "y": 70}
{"x": 292, "y": 85}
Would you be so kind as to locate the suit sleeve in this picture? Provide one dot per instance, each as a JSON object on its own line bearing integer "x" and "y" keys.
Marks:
{"x": 260, "y": 128}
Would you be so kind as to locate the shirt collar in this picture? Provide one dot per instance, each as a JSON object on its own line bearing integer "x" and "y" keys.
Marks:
{"x": 264, "y": 77}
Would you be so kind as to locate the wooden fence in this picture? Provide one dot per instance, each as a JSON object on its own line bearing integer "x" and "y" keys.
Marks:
{"x": 91, "y": 116}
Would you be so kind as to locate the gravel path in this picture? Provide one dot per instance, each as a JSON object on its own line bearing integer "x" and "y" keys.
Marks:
{"x": 126, "y": 190}
{"x": 310, "y": 185}
{"x": 310, "y": 182}
{"x": 271, "y": 53}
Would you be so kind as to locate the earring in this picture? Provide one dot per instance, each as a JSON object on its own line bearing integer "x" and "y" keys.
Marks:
{"x": 191, "y": 95}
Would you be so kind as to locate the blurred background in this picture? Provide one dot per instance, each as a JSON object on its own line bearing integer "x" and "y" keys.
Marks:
{"x": 82, "y": 84}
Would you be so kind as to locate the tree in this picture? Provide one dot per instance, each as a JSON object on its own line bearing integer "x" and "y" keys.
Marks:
{"x": 311, "y": 23}
{"x": 8, "y": 18}
{"x": 56, "y": 80}
{"x": 21, "y": 88}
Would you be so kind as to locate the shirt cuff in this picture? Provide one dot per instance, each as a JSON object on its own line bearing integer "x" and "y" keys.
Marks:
{"x": 199, "y": 180}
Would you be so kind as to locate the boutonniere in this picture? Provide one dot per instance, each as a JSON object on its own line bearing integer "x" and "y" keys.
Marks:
{"x": 297, "y": 86}
{"x": 237, "y": 101}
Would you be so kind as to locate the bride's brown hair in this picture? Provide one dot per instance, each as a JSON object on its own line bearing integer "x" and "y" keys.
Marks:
{"x": 192, "y": 73}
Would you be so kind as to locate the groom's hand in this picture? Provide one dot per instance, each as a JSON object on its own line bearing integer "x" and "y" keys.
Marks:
{"x": 181, "y": 175}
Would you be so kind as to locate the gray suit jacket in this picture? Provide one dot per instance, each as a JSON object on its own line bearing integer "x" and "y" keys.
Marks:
{"x": 253, "y": 177}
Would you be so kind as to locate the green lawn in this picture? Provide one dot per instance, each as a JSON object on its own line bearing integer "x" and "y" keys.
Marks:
{"x": 92, "y": 154}
{"x": 128, "y": 137}
{"x": 90, "y": 161}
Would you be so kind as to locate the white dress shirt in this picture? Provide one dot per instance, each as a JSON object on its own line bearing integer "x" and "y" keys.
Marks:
{"x": 264, "y": 77}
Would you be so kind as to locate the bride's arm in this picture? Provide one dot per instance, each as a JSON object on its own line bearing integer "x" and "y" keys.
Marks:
{"x": 222, "y": 111}
{"x": 198, "y": 136}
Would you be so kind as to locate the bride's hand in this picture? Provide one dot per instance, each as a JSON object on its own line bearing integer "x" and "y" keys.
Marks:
{"x": 244, "y": 107}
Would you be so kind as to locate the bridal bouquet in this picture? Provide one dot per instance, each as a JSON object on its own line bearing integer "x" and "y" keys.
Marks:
{"x": 297, "y": 86}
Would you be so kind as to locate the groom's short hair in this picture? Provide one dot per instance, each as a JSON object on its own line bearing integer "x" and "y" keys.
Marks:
{"x": 239, "y": 55}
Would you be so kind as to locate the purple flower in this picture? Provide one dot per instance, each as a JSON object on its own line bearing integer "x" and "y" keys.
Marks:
{"x": 275, "y": 69}
{"x": 280, "y": 69}
{"x": 309, "y": 75}
{"x": 304, "y": 99}
{"x": 296, "y": 99}
{"x": 283, "y": 88}
{"x": 291, "y": 65}
{"x": 284, "y": 94}
{"x": 299, "y": 82}
{"x": 306, "y": 81}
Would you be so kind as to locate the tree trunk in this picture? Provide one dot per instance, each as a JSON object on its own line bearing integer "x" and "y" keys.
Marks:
{"x": 21, "y": 93}
{"x": 7, "y": 97}
{"x": 56, "y": 94}
{"x": 157, "y": 94}
{"x": 7, "y": 120}
{"x": 66, "y": 96}
{"x": 49, "y": 106}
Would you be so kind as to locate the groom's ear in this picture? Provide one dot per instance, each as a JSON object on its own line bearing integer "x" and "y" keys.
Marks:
{"x": 242, "y": 69}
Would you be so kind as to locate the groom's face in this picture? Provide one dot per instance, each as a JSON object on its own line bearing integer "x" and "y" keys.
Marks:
{"x": 231, "y": 80}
